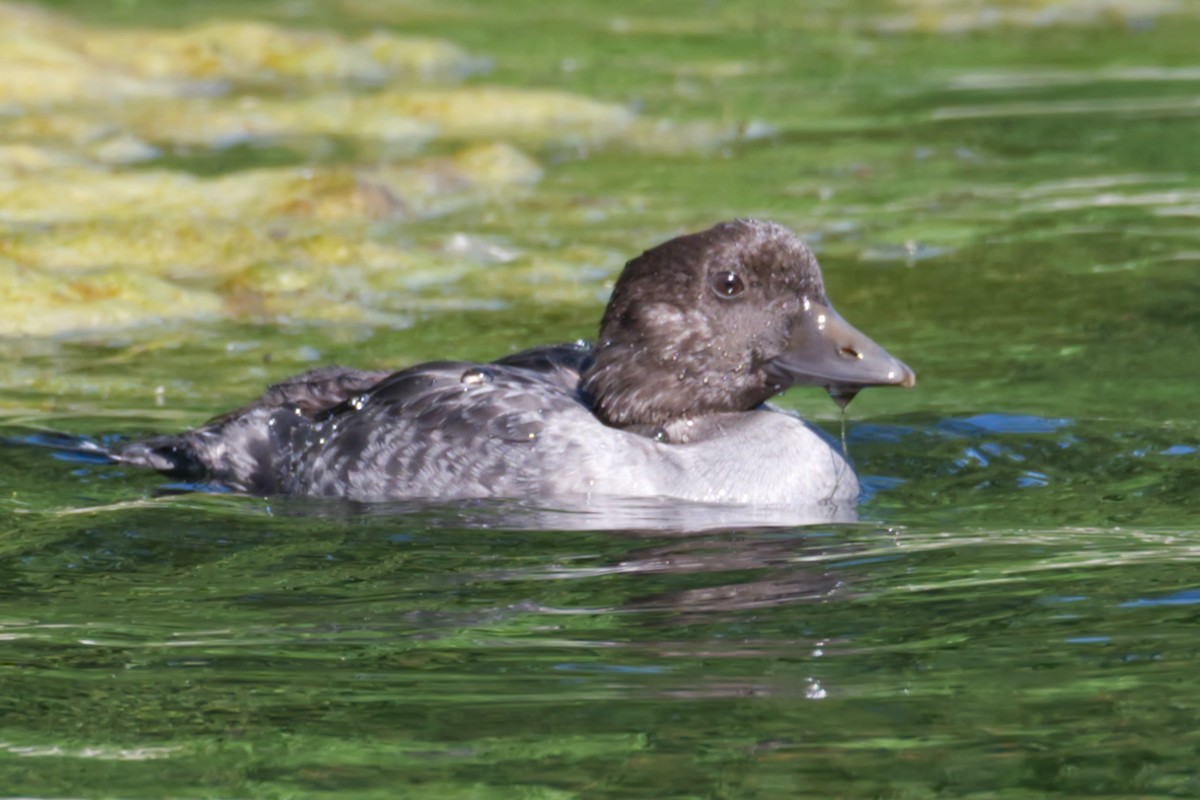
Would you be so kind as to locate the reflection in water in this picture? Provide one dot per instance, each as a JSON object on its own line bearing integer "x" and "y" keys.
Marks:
{"x": 732, "y": 570}
{"x": 766, "y": 570}
{"x": 630, "y": 516}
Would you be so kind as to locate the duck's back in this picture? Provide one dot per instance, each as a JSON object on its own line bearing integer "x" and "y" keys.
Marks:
{"x": 443, "y": 430}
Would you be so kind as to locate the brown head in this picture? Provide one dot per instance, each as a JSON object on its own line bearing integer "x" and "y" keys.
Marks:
{"x": 721, "y": 320}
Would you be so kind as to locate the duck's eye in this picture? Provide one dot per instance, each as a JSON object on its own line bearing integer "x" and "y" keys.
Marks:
{"x": 727, "y": 284}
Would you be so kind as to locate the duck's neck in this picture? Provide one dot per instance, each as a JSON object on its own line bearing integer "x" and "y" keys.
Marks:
{"x": 660, "y": 392}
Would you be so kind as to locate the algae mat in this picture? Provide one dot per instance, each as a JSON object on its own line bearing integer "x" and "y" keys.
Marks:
{"x": 98, "y": 233}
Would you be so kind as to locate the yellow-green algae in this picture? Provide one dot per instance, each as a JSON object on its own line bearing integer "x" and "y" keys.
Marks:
{"x": 49, "y": 58}
{"x": 39, "y": 303}
{"x": 241, "y": 51}
{"x": 414, "y": 117}
{"x": 427, "y": 187}
{"x": 254, "y": 238}
{"x": 405, "y": 120}
{"x": 99, "y": 232}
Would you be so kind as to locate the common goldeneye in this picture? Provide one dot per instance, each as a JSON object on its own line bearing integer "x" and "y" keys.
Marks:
{"x": 670, "y": 402}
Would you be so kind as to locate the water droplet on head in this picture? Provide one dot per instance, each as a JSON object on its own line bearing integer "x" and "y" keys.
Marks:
{"x": 477, "y": 376}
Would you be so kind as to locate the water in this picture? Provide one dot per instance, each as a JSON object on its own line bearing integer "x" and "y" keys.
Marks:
{"x": 1004, "y": 195}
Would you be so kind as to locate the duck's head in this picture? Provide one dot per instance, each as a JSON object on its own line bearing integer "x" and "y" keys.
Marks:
{"x": 721, "y": 320}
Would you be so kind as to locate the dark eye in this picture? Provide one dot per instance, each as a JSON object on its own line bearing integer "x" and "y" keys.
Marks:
{"x": 727, "y": 284}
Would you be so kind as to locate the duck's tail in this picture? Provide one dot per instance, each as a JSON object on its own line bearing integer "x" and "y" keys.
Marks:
{"x": 242, "y": 460}
{"x": 249, "y": 452}
{"x": 170, "y": 455}
{"x": 253, "y": 449}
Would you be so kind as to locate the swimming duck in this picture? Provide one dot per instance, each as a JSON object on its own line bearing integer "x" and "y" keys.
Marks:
{"x": 669, "y": 402}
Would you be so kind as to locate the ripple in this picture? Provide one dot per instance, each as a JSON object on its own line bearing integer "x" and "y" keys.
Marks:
{"x": 1048, "y": 108}
{"x": 1005, "y": 80}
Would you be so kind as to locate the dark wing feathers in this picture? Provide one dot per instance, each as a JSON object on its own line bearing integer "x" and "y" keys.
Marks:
{"x": 441, "y": 429}
{"x": 449, "y": 429}
{"x": 312, "y": 392}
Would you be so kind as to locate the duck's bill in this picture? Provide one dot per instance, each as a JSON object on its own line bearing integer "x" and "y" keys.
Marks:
{"x": 825, "y": 350}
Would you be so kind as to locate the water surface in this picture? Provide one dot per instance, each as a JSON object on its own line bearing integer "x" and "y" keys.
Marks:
{"x": 1004, "y": 194}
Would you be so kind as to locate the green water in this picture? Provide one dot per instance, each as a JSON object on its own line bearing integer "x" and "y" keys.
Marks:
{"x": 1012, "y": 208}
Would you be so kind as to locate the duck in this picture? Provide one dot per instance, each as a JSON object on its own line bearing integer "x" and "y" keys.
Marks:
{"x": 668, "y": 404}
